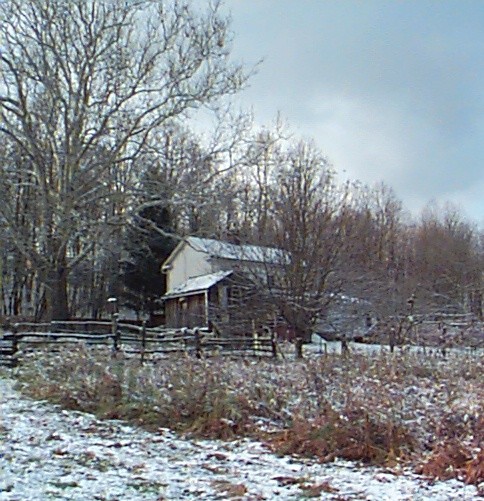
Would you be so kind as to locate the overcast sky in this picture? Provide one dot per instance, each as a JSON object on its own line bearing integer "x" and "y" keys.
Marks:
{"x": 390, "y": 90}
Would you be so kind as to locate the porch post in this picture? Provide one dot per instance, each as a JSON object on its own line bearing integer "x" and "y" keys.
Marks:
{"x": 206, "y": 309}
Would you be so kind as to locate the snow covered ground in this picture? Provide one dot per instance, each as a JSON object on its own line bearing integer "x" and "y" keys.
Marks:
{"x": 48, "y": 453}
{"x": 319, "y": 346}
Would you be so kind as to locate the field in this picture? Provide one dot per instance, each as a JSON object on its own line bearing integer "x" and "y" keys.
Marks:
{"x": 404, "y": 413}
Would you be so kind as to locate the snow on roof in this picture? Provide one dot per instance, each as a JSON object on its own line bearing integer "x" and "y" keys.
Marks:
{"x": 197, "y": 284}
{"x": 225, "y": 250}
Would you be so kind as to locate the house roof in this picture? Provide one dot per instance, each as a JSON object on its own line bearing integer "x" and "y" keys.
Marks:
{"x": 226, "y": 250}
{"x": 198, "y": 284}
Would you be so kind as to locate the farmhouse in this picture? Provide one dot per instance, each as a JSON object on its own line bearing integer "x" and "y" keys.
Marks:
{"x": 209, "y": 281}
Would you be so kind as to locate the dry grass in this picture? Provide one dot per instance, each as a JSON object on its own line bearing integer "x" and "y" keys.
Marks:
{"x": 379, "y": 409}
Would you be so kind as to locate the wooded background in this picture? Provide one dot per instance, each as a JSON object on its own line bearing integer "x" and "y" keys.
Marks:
{"x": 102, "y": 171}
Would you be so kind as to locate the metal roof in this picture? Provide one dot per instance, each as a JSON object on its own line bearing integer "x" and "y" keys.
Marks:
{"x": 225, "y": 250}
{"x": 197, "y": 284}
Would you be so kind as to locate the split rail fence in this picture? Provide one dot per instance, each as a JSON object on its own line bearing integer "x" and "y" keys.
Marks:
{"x": 130, "y": 339}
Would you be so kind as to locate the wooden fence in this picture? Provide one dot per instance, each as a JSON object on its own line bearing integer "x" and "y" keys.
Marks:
{"x": 134, "y": 340}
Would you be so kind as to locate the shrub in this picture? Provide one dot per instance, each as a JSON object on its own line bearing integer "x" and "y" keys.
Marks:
{"x": 381, "y": 409}
{"x": 352, "y": 435}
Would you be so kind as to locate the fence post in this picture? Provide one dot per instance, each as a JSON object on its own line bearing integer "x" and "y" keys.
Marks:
{"x": 143, "y": 341}
{"x": 198, "y": 344}
{"x": 273, "y": 344}
{"x": 392, "y": 339}
{"x": 115, "y": 332}
{"x": 255, "y": 342}
{"x": 14, "y": 345}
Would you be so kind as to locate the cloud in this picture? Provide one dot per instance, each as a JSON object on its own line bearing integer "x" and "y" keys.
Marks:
{"x": 390, "y": 90}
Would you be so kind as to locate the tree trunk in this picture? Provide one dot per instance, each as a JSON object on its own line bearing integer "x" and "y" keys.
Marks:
{"x": 57, "y": 302}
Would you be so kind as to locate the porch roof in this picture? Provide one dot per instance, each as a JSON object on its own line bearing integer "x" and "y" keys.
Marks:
{"x": 198, "y": 284}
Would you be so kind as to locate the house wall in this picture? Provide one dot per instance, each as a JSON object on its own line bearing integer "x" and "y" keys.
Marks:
{"x": 188, "y": 263}
{"x": 188, "y": 311}
{"x": 220, "y": 264}
{"x": 254, "y": 270}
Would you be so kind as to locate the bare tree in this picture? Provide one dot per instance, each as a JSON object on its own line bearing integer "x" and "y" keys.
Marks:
{"x": 191, "y": 176}
{"x": 84, "y": 84}
{"x": 300, "y": 281}
{"x": 377, "y": 250}
{"x": 448, "y": 260}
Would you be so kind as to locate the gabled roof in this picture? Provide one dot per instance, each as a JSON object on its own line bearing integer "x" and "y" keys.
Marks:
{"x": 225, "y": 250}
{"x": 198, "y": 284}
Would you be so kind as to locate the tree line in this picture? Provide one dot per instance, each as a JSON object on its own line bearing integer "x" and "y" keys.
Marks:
{"x": 101, "y": 174}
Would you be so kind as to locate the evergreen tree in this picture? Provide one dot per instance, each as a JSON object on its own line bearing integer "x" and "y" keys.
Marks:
{"x": 146, "y": 249}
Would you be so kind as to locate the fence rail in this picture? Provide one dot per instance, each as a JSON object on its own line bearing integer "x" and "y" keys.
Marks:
{"x": 128, "y": 338}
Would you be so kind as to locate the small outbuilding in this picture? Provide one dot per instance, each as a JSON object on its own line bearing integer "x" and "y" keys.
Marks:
{"x": 190, "y": 304}
{"x": 213, "y": 283}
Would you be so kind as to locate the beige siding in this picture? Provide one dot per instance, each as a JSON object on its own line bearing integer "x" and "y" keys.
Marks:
{"x": 188, "y": 263}
{"x": 255, "y": 270}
